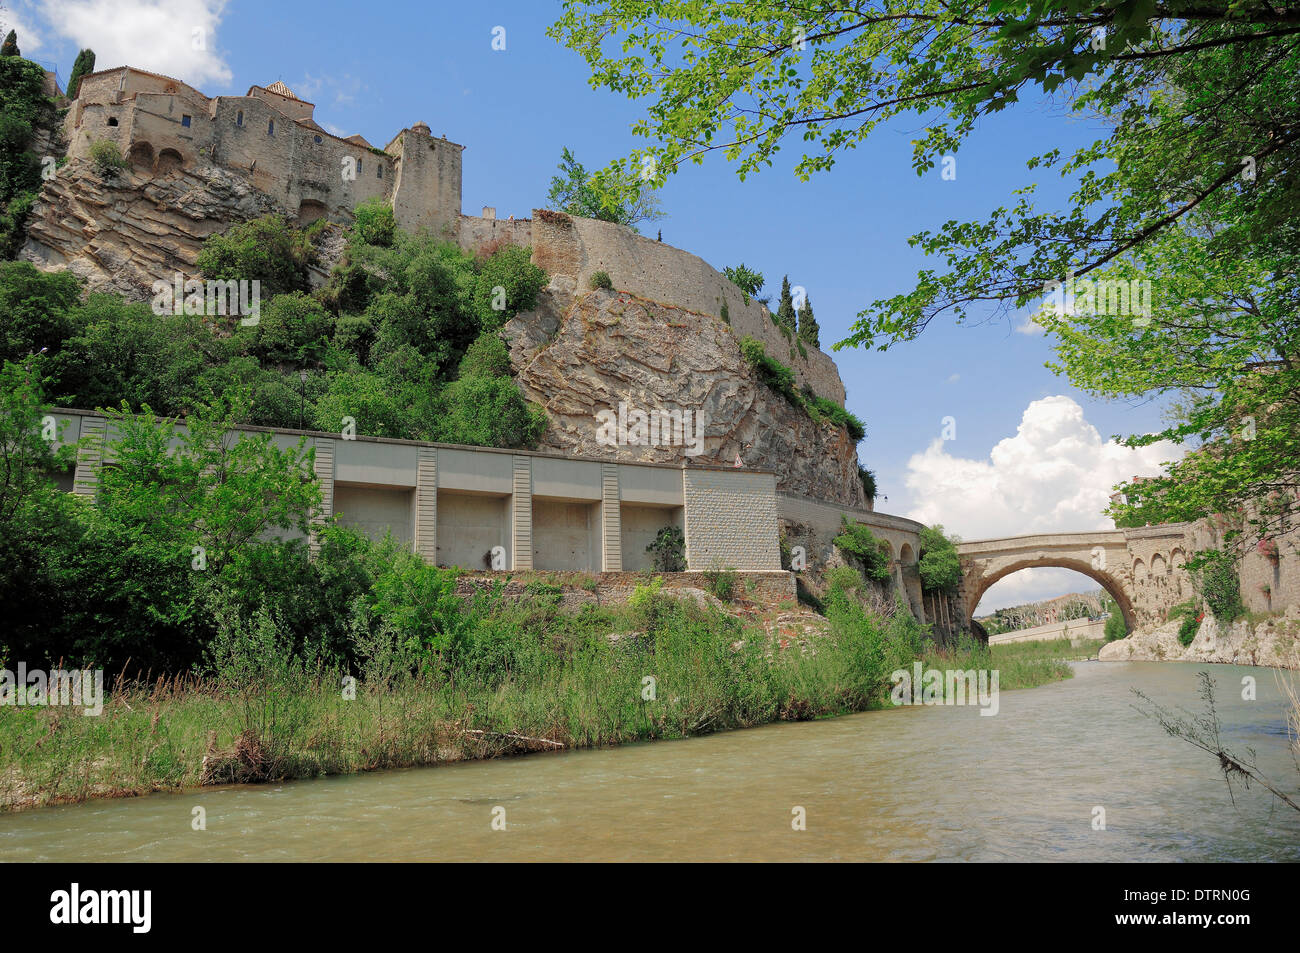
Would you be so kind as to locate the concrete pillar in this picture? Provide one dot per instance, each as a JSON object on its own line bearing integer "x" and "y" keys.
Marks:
{"x": 521, "y": 514}
{"x": 85, "y": 479}
{"x": 324, "y": 468}
{"x": 426, "y": 505}
{"x": 611, "y": 520}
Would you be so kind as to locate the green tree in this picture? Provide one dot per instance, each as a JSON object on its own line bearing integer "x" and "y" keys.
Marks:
{"x": 122, "y": 352}
{"x": 508, "y": 283}
{"x": 785, "y": 309}
{"x": 486, "y": 357}
{"x": 23, "y": 108}
{"x": 808, "y": 330}
{"x": 871, "y": 554}
{"x": 1115, "y": 627}
{"x": 32, "y": 454}
{"x": 1200, "y": 107}
{"x": 207, "y": 485}
{"x": 627, "y": 199}
{"x": 739, "y": 83}
{"x": 747, "y": 280}
{"x": 487, "y": 412}
{"x": 374, "y": 222}
{"x": 939, "y": 565}
{"x": 37, "y": 308}
{"x": 268, "y": 249}
{"x": 10, "y": 45}
{"x": 83, "y": 66}
{"x": 1221, "y": 338}
{"x": 293, "y": 329}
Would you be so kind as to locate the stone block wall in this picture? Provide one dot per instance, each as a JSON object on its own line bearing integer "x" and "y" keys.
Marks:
{"x": 731, "y": 520}
{"x": 426, "y": 196}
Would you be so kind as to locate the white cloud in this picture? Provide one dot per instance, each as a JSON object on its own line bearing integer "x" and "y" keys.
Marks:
{"x": 1030, "y": 327}
{"x": 953, "y": 378}
{"x": 173, "y": 37}
{"x": 1054, "y": 475}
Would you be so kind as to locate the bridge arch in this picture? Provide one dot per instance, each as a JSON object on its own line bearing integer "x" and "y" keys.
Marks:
{"x": 1114, "y": 587}
{"x": 1103, "y": 556}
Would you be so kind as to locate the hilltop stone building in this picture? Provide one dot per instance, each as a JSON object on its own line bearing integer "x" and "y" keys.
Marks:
{"x": 161, "y": 124}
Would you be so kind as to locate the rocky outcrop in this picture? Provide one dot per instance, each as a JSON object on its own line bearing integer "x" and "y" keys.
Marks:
{"x": 125, "y": 231}
{"x": 1274, "y": 643}
{"x": 576, "y": 356}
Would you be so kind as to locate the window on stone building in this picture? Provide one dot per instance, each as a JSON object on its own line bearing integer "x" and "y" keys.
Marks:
{"x": 318, "y": 140}
{"x": 239, "y": 118}
{"x": 270, "y": 127}
{"x": 379, "y": 172}
{"x": 112, "y": 120}
{"x": 185, "y": 121}
{"x": 358, "y": 167}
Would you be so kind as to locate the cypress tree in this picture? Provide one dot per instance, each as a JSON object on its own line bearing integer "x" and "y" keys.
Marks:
{"x": 808, "y": 330}
{"x": 84, "y": 65}
{"x": 785, "y": 312}
{"x": 10, "y": 47}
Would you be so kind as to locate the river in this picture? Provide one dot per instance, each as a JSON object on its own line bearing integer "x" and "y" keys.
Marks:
{"x": 911, "y": 784}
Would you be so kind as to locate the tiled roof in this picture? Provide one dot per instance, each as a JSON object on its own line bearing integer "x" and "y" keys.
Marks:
{"x": 283, "y": 90}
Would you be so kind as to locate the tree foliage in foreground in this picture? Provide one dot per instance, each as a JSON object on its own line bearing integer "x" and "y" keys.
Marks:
{"x": 1187, "y": 89}
{"x": 620, "y": 199}
{"x": 1222, "y": 339}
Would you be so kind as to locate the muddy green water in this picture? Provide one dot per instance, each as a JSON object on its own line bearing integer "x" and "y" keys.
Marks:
{"x": 914, "y": 784}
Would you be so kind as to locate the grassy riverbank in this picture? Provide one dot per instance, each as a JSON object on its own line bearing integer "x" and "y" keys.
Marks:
{"x": 529, "y": 677}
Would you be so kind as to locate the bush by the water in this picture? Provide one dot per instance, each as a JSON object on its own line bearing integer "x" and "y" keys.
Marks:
{"x": 1115, "y": 627}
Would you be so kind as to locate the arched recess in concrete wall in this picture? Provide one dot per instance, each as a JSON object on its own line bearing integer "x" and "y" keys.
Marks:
{"x": 1113, "y": 586}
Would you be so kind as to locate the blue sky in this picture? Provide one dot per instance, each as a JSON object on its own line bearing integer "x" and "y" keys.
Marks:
{"x": 843, "y": 236}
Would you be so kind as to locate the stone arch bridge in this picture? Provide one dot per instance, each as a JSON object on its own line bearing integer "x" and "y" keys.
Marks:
{"x": 1141, "y": 569}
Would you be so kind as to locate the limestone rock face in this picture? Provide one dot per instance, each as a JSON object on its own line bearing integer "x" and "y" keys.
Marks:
{"x": 126, "y": 231}
{"x": 578, "y": 355}
{"x": 1273, "y": 642}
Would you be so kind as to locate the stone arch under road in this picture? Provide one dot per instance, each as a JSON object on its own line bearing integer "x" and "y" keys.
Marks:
{"x": 1102, "y": 556}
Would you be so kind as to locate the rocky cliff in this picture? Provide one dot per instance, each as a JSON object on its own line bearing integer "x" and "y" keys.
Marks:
{"x": 578, "y": 355}
{"x": 122, "y": 232}
{"x": 1273, "y": 642}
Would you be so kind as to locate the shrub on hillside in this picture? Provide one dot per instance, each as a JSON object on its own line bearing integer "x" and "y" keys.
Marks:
{"x": 268, "y": 249}
{"x": 508, "y": 283}
{"x": 107, "y": 157}
{"x": 293, "y": 329}
{"x": 872, "y": 554}
{"x": 38, "y": 309}
{"x": 373, "y": 222}
{"x": 487, "y": 412}
{"x": 486, "y": 357}
{"x": 668, "y": 550}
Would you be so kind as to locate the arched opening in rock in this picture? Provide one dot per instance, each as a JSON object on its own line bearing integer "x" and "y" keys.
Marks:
{"x": 169, "y": 160}
{"x": 309, "y": 210}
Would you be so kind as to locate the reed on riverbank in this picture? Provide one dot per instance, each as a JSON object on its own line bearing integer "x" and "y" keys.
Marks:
{"x": 523, "y": 677}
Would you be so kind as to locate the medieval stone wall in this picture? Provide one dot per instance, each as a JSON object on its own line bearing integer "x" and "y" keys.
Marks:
{"x": 571, "y": 250}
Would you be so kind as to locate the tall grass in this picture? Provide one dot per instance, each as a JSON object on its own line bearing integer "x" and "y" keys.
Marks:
{"x": 522, "y": 677}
